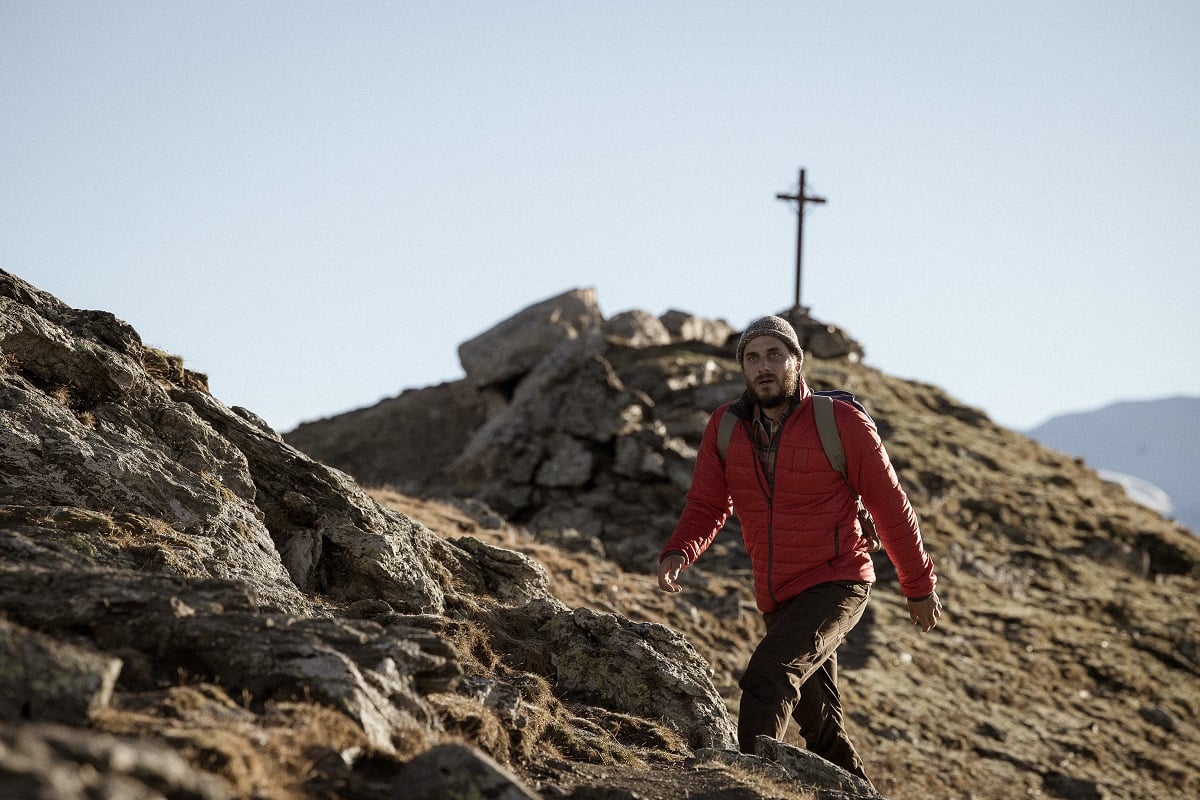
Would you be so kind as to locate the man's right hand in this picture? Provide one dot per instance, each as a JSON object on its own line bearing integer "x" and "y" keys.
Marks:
{"x": 668, "y": 573}
{"x": 924, "y": 614}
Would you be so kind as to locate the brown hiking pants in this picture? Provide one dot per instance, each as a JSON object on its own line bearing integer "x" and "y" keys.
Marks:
{"x": 793, "y": 673}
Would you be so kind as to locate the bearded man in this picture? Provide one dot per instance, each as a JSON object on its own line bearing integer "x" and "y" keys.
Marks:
{"x": 812, "y": 563}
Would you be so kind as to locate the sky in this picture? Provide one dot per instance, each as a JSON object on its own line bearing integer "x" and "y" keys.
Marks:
{"x": 316, "y": 203}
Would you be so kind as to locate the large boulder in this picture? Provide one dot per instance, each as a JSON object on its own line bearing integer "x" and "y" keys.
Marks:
{"x": 637, "y": 329}
{"x": 456, "y": 770}
{"x": 516, "y": 345}
{"x": 822, "y": 340}
{"x": 685, "y": 327}
{"x": 648, "y": 669}
{"x": 43, "y": 678}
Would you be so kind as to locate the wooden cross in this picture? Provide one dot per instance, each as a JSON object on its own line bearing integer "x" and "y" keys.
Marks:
{"x": 800, "y": 199}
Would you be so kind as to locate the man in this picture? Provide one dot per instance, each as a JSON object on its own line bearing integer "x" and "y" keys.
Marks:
{"x": 812, "y": 567}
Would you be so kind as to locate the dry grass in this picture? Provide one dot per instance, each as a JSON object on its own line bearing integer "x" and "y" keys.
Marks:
{"x": 278, "y": 755}
{"x": 168, "y": 369}
{"x": 113, "y": 539}
{"x": 10, "y": 363}
{"x": 63, "y": 395}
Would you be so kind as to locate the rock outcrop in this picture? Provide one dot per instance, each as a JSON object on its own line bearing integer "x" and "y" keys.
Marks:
{"x": 172, "y": 570}
{"x": 552, "y": 441}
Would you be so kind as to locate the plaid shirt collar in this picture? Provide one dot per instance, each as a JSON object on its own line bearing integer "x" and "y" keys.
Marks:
{"x": 766, "y": 435}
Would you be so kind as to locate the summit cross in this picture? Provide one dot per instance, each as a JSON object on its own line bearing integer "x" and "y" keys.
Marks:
{"x": 800, "y": 198}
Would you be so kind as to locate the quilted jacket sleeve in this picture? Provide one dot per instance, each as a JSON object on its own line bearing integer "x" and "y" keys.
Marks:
{"x": 708, "y": 503}
{"x": 870, "y": 473}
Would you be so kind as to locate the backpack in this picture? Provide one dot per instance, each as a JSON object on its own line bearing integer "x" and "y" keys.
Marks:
{"x": 831, "y": 441}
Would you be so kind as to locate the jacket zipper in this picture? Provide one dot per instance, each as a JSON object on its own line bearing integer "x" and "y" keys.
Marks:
{"x": 769, "y": 490}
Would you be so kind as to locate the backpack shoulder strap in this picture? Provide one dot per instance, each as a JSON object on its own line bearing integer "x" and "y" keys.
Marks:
{"x": 831, "y": 440}
{"x": 827, "y": 429}
{"x": 725, "y": 432}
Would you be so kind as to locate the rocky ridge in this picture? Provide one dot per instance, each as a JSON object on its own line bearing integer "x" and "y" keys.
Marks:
{"x": 1067, "y": 664}
{"x": 191, "y": 606}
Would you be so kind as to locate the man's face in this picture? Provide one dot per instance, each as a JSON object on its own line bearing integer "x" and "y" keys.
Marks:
{"x": 772, "y": 373}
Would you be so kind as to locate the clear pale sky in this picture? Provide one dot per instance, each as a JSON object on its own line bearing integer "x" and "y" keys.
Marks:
{"x": 316, "y": 203}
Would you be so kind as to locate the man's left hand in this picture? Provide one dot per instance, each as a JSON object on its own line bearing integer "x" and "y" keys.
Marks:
{"x": 925, "y": 614}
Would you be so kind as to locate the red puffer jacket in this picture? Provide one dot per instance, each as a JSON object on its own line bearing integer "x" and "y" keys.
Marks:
{"x": 803, "y": 530}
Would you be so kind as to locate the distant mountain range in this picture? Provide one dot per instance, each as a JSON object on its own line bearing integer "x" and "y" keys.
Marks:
{"x": 1144, "y": 445}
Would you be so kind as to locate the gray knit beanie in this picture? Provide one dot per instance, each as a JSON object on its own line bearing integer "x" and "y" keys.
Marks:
{"x": 778, "y": 327}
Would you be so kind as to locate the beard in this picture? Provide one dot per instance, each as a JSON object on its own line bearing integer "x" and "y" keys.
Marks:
{"x": 776, "y": 393}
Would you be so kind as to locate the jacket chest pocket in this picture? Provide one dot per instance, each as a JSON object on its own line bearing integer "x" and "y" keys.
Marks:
{"x": 802, "y": 459}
